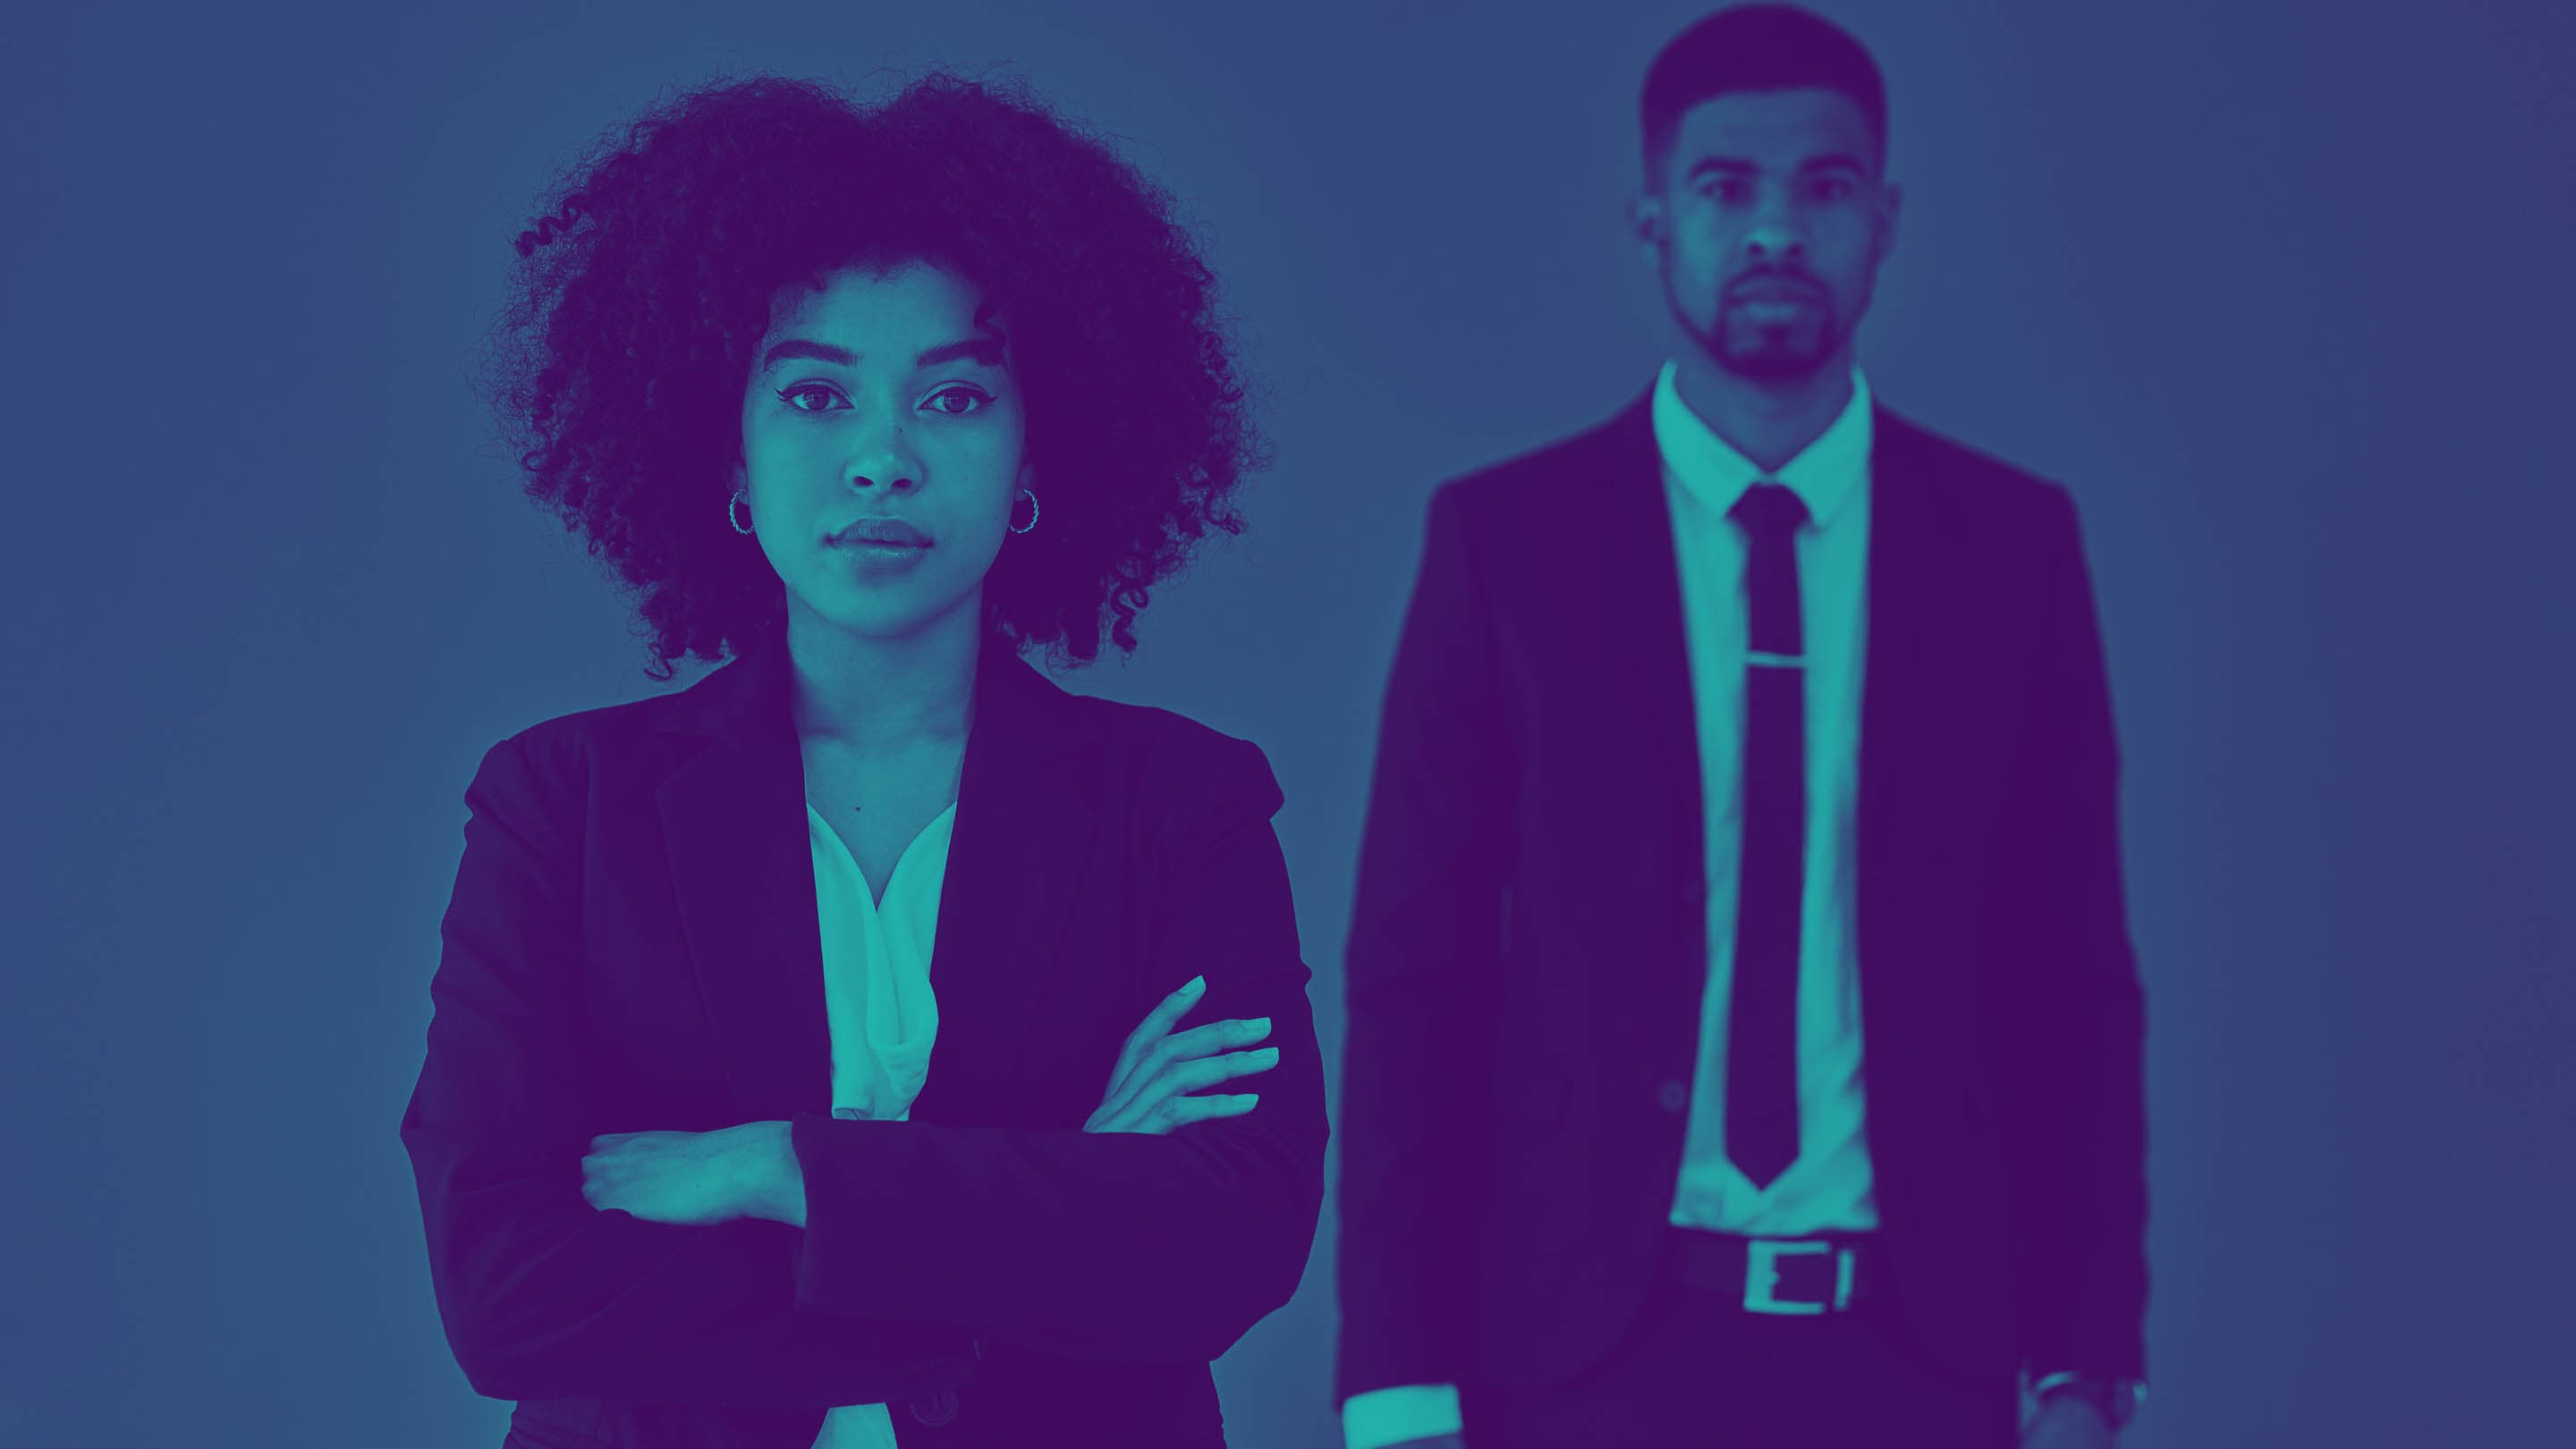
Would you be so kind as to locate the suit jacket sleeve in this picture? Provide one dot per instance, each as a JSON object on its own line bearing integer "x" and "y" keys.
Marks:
{"x": 542, "y": 1295}
{"x": 1425, "y": 949}
{"x": 1115, "y": 1247}
{"x": 2079, "y": 1191}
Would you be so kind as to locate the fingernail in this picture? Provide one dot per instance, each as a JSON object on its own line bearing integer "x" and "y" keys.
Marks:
{"x": 1195, "y": 985}
{"x": 1267, "y": 1054}
{"x": 1260, "y": 1025}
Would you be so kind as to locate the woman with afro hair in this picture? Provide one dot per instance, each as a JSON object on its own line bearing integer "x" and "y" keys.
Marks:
{"x": 872, "y": 1042}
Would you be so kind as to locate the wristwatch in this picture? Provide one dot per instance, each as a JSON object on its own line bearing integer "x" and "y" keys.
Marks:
{"x": 2117, "y": 1399}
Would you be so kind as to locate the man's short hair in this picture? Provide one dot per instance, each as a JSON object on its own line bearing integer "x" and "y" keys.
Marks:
{"x": 1756, "y": 48}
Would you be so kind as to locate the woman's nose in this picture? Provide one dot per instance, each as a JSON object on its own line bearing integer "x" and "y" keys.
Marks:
{"x": 885, "y": 462}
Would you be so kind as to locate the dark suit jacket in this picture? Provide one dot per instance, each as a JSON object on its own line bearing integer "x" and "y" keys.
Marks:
{"x": 1527, "y": 953}
{"x": 632, "y": 945}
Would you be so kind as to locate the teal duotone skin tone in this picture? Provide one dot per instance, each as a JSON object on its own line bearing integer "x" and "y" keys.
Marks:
{"x": 882, "y": 395}
{"x": 1767, "y": 219}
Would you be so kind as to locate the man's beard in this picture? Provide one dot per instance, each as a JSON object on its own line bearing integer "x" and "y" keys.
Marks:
{"x": 1760, "y": 352}
{"x": 1763, "y": 352}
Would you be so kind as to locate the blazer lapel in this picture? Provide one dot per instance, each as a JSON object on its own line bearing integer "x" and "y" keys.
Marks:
{"x": 733, "y": 822}
{"x": 1899, "y": 692}
{"x": 1914, "y": 681}
{"x": 1028, "y": 805}
{"x": 1635, "y": 598}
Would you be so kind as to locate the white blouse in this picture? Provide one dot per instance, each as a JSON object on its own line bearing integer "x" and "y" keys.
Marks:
{"x": 882, "y": 1015}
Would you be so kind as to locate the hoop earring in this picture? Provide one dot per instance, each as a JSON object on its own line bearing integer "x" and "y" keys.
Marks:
{"x": 1033, "y": 511}
{"x": 730, "y": 504}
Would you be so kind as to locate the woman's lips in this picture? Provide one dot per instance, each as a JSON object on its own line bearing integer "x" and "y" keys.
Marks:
{"x": 880, "y": 554}
{"x": 881, "y": 530}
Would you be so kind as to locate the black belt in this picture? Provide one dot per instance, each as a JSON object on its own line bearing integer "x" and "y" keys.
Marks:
{"x": 1809, "y": 1275}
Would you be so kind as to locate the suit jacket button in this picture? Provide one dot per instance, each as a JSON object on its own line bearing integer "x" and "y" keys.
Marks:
{"x": 1674, "y": 1096}
{"x": 935, "y": 1409}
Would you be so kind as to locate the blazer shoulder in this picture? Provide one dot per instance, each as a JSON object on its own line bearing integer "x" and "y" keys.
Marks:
{"x": 1972, "y": 478}
{"x": 1621, "y": 441}
{"x": 1175, "y": 761}
{"x": 565, "y": 752}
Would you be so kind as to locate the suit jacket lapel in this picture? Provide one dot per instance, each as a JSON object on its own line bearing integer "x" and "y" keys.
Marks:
{"x": 733, "y": 817}
{"x": 733, "y": 822}
{"x": 1635, "y": 600}
{"x": 1028, "y": 806}
{"x": 1913, "y": 674}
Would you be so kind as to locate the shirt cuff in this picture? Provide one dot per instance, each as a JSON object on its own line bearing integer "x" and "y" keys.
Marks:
{"x": 1381, "y": 1417}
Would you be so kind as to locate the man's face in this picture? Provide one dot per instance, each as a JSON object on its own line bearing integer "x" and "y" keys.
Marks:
{"x": 1767, "y": 223}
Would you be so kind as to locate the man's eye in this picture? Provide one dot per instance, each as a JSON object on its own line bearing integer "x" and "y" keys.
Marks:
{"x": 795, "y": 397}
{"x": 957, "y": 401}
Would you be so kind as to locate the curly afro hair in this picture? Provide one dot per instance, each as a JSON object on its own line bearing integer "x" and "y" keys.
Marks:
{"x": 647, "y": 282}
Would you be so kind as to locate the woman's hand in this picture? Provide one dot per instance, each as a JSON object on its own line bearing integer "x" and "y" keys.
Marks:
{"x": 1148, "y": 1089}
{"x": 696, "y": 1178}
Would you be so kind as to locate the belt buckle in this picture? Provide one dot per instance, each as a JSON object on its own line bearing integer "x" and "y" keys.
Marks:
{"x": 1762, "y": 1275}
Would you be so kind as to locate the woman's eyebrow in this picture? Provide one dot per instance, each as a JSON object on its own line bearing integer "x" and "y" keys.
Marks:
{"x": 795, "y": 347}
{"x": 986, "y": 350}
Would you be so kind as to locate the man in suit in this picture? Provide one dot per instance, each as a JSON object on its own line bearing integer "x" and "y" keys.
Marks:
{"x": 1745, "y": 1039}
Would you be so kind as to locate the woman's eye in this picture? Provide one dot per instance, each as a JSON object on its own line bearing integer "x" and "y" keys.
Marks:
{"x": 795, "y": 397}
{"x": 957, "y": 401}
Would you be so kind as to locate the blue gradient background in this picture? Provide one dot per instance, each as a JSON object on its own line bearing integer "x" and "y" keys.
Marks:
{"x": 2279, "y": 292}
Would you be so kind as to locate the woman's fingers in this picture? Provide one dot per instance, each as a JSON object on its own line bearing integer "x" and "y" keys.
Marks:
{"x": 1162, "y": 1056}
{"x": 1148, "y": 1105}
{"x": 1158, "y": 1068}
{"x": 1158, "y": 1021}
{"x": 1200, "y": 1041}
{"x": 1174, "y": 1112}
{"x": 1216, "y": 1036}
{"x": 1202, "y": 1073}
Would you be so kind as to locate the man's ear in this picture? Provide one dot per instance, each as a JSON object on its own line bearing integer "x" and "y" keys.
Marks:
{"x": 1651, "y": 224}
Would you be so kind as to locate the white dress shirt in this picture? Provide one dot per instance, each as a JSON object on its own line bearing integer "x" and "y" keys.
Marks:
{"x": 877, "y": 999}
{"x": 1829, "y": 1186}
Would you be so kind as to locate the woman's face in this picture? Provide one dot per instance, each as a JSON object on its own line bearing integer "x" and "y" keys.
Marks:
{"x": 882, "y": 448}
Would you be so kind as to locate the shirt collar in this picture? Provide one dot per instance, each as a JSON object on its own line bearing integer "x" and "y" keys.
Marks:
{"x": 1823, "y": 474}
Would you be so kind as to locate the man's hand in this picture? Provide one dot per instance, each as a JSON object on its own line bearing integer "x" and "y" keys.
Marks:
{"x": 697, "y": 1178}
{"x": 2067, "y": 1422}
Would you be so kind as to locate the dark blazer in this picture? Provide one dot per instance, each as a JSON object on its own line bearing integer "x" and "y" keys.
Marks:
{"x": 632, "y": 945}
{"x": 1526, "y": 958}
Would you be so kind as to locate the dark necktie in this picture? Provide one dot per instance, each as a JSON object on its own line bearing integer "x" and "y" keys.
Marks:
{"x": 1762, "y": 1021}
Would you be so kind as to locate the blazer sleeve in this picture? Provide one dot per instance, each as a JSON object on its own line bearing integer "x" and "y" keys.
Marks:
{"x": 1425, "y": 949}
{"x": 1113, "y": 1247}
{"x": 2078, "y": 1181}
{"x": 542, "y": 1295}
